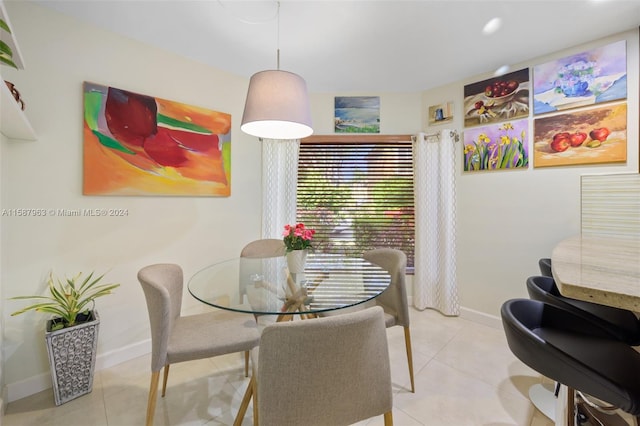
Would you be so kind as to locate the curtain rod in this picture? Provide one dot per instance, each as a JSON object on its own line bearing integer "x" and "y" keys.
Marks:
{"x": 453, "y": 133}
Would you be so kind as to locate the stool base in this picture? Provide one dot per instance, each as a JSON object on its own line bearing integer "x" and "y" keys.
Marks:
{"x": 543, "y": 398}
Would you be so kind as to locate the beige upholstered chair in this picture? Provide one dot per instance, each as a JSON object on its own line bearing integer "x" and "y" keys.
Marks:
{"x": 394, "y": 299}
{"x": 176, "y": 338}
{"x": 326, "y": 371}
{"x": 268, "y": 247}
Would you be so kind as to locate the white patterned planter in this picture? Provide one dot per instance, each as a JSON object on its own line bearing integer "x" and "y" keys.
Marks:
{"x": 72, "y": 358}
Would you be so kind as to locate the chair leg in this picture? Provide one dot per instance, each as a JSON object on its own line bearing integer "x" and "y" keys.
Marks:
{"x": 246, "y": 363}
{"x": 153, "y": 396}
{"x": 164, "y": 379}
{"x": 254, "y": 384}
{"x": 245, "y": 403}
{"x": 407, "y": 342}
{"x": 388, "y": 418}
{"x": 571, "y": 407}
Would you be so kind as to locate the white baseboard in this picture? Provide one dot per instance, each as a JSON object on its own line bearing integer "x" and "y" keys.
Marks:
{"x": 35, "y": 384}
{"x": 481, "y": 318}
{"x": 475, "y": 316}
{"x": 3, "y": 403}
{"x": 26, "y": 387}
{"x": 118, "y": 356}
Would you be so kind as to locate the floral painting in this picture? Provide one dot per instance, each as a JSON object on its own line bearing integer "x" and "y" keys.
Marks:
{"x": 497, "y": 99}
{"x": 497, "y": 146}
{"x": 140, "y": 145}
{"x": 587, "y": 136}
{"x": 357, "y": 114}
{"x": 587, "y": 78}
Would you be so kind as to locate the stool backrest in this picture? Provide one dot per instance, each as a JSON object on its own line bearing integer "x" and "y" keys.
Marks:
{"x": 621, "y": 324}
{"x": 564, "y": 347}
{"x": 545, "y": 267}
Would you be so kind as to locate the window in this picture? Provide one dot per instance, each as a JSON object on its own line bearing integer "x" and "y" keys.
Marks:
{"x": 357, "y": 193}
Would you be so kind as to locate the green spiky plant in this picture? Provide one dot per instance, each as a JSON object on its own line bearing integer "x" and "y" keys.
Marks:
{"x": 68, "y": 298}
{"x": 6, "y": 54}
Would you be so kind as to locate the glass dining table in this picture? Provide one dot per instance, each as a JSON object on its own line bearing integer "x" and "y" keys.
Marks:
{"x": 264, "y": 286}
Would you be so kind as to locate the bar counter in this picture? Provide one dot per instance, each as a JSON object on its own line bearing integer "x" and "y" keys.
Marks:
{"x": 599, "y": 269}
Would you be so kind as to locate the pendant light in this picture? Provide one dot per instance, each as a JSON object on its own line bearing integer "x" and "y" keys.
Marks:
{"x": 277, "y": 104}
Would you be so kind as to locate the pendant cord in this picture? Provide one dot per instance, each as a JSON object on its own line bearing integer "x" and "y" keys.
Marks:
{"x": 278, "y": 39}
{"x": 246, "y": 21}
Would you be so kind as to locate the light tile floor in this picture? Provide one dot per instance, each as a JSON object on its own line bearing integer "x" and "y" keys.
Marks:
{"x": 464, "y": 372}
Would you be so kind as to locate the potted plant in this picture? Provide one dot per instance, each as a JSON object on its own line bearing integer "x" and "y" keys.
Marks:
{"x": 72, "y": 334}
{"x": 297, "y": 240}
{"x": 6, "y": 54}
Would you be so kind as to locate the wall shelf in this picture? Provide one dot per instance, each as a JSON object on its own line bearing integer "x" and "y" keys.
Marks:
{"x": 10, "y": 39}
{"x": 13, "y": 121}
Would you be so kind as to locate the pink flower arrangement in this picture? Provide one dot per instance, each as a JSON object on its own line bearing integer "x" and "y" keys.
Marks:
{"x": 297, "y": 237}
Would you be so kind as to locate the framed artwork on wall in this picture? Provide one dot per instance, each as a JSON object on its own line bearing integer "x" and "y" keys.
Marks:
{"x": 497, "y": 146}
{"x": 587, "y": 136}
{"x": 357, "y": 114}
{"x": 497, "y": 99}
{"x": 587, "y": 78}
{"x": 440, "y": 113}
{"x": 141, "y": 145}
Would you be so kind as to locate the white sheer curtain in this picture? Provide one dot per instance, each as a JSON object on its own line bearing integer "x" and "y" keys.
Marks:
{"x": 434, "y": 283}
{"x": 279, "y": 183}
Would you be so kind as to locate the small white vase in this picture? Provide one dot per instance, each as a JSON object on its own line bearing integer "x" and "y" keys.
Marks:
{"x": 296, "y": 261}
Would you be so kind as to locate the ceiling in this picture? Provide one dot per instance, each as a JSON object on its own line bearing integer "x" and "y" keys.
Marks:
{"x": 360, "y": 46}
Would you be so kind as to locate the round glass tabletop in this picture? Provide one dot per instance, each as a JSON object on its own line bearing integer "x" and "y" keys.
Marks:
{"x": 264, "y": 286}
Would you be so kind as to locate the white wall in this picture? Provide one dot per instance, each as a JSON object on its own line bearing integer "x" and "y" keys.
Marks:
{"x": 60, "y": 53}
{"x": 509, "y": 219}
{"x": 3, "y": 397}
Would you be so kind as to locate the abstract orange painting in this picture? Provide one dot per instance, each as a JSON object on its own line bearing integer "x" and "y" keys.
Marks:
{"x": 141, "y": 145}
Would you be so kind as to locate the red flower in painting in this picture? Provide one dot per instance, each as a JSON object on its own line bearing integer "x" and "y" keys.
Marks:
{"x": 138, "y": 144}
{"x": 132, "y": 120}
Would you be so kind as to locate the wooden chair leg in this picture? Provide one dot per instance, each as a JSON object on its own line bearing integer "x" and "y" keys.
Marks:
{"x": 407, "y": 342}
{"x": 246, "y": 363}
{"x": 164, "y": 379}
{"x": 153, "y": 396}
{"x": 388, "y": 418}
{"x": 245, "y": 403}
{"x": 254, "y": 384}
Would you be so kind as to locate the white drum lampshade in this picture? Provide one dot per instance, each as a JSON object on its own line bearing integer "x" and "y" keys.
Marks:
{"x": 277, "y": 106}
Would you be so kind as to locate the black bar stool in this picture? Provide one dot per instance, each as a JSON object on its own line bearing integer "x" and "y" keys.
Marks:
{"x": 621, "y": 324}
{"x": 545, "y": 267}
{"x": 575, "y": 352}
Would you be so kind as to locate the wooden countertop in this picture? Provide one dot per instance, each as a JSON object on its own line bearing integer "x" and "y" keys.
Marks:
{"x": 600, "y": 270}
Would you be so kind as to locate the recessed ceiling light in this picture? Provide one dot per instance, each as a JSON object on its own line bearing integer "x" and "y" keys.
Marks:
{"x": 501, "y": 71}
{"x": 492, "y": 26}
